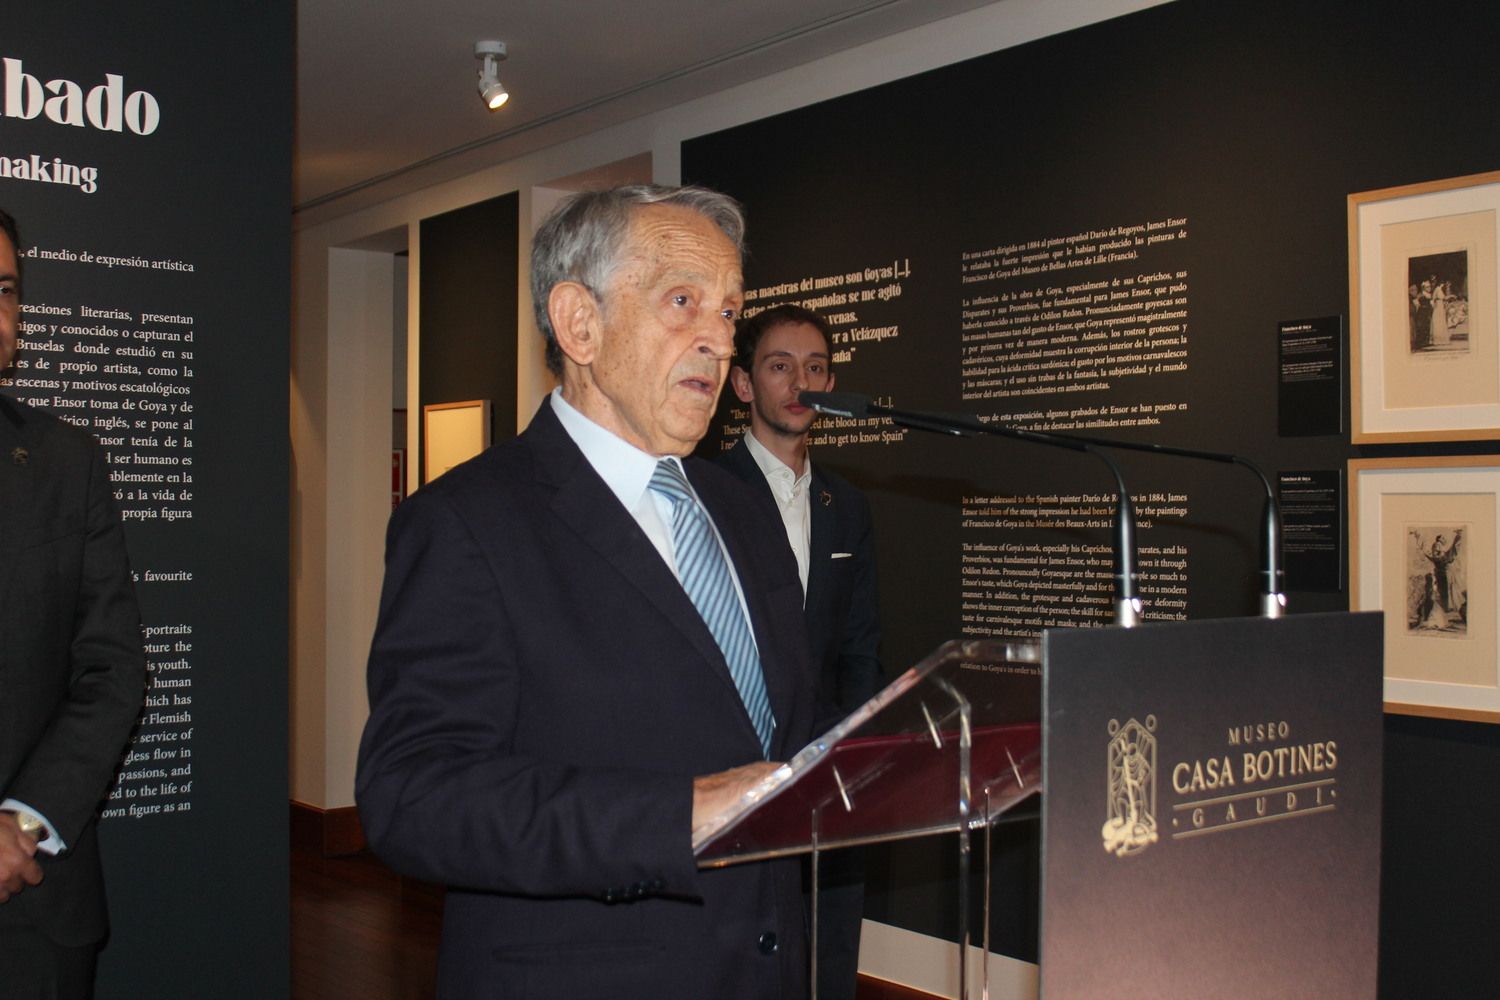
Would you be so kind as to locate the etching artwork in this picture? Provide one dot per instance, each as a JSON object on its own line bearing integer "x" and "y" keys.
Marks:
{"x": 1437, "y": 592}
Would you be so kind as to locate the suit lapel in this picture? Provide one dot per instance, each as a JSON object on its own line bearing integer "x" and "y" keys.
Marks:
{"x": 584, "y": 503}
{"x": 824, "y": 506}
{"x": 739, "y": 461}
{"x": 16, "y": 469}
{"x": 781, "y": 683}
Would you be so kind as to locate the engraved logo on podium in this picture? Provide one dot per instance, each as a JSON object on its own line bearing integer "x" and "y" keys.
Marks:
{"x": 1131, "y": 825}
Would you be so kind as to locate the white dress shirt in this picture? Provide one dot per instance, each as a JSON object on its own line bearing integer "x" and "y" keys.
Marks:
{"x": 791, "y": 493}
{"x": 627, "y": 471}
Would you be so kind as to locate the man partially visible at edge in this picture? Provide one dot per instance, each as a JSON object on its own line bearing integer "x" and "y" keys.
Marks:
{"x": 72, "y": 678}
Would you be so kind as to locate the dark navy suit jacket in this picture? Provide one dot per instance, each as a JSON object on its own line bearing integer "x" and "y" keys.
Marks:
{"x": 72, "y": 668}
{"x": 842, "y": 613}
{"x": 542, "y": 693}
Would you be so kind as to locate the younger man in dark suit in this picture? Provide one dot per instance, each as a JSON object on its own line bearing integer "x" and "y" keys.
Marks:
{"x": 778, "y": 353}
{"x": 72, "y": 675}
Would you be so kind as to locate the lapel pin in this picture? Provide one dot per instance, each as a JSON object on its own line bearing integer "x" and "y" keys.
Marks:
{"x": 826, "y": 497}
{"x": 19, "y": 456}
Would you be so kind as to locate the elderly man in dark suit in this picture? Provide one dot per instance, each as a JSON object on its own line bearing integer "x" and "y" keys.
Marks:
{"x": 778, "y": 353}
{"x": 72, "y": 676}
{"x": 585, "y": 649}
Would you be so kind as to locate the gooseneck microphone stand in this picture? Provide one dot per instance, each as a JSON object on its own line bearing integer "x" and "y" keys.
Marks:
{"x": 1127, "y": 601}
{"x": 1273, "y": 601}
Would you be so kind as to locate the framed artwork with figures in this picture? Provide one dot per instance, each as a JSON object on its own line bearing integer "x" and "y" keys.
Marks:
{"x": 1424, "y": 343}
{"x": 1422, "y": 548}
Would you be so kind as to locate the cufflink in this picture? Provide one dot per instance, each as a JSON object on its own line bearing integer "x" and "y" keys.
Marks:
{"x": 19, "y": 456}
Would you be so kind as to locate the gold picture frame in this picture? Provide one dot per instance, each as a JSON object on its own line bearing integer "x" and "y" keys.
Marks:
{"x": 1423, "y": 548}
{"x": 452, "y": 434}
{"x": 1424, "y": 268}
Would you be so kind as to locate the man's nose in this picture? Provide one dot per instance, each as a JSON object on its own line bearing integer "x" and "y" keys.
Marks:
{"x": 716, "y": 337}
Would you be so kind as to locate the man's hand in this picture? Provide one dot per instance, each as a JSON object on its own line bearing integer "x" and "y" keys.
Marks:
{"x": 18, "y": 867}
{"x": 713, "y": 793}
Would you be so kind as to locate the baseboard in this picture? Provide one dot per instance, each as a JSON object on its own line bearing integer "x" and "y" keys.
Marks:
{"x": 929, "y": 965}
{"x": 330, "y": 832}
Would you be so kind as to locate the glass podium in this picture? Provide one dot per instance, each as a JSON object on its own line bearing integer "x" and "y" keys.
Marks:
{"x": 950, "y": 746}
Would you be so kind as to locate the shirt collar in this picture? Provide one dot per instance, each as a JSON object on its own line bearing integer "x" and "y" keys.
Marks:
{"x": 625, "y": 469}
{"x": 785, "y": 483}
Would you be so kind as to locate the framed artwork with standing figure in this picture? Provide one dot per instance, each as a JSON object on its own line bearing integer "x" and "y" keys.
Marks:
{"x": 1424, "y": 344}
{"x": 1422, "y": 548}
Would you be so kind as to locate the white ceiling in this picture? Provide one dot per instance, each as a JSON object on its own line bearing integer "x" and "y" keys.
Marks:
{"x": 386, "y": 98}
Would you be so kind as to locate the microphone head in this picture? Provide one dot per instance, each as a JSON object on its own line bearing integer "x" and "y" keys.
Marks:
{"x": 839, "y": 404}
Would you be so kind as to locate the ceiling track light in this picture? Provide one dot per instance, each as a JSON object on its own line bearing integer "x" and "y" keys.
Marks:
{"x": 490, "y": 91}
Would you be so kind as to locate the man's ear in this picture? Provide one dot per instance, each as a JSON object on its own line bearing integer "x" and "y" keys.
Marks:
{"x": 743, "y": 387}
{"x": 576, "y": 321}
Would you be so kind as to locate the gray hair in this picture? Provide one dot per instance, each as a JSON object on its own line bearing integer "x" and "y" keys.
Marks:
{"x": 584, "y": 238}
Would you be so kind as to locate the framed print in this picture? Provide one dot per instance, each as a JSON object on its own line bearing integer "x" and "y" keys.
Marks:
{"x": 453, "y": 433}
{"x": 1424, "y": 348}
{"x": 1422, "y": 548}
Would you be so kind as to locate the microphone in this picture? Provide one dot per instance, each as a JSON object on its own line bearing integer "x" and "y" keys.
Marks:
{"x": 1127, "y": 601}
{"x": 1272, "y": 596}
{"x": 842, "y": 404}
{"x": 1272, "y": 576}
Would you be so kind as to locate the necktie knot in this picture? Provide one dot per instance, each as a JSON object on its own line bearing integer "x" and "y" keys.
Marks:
{"x": 669, "y": 481}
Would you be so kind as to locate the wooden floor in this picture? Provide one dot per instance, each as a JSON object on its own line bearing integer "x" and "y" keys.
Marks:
{"x": 358, "y": 932}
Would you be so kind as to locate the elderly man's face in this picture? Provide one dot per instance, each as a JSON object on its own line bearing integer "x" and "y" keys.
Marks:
{"x": 668, "y": 330}
{"x": 10, "y": 301}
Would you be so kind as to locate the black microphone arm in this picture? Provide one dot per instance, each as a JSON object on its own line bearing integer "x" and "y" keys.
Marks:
{"x": 1272, "y": 596}
{"x": 1127, "y": 602}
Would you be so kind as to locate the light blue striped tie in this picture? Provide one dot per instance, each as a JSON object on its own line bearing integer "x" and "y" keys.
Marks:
{"x": 704, "y": 573}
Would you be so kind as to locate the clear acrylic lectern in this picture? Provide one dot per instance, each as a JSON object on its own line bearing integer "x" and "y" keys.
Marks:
{"x": 950, "y": 745}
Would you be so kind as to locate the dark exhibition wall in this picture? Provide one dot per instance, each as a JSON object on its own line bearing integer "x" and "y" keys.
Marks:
{"x": 468, "y": 317}
{"x": 1100, "y": 232}
{"x": 153, "y": 198}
